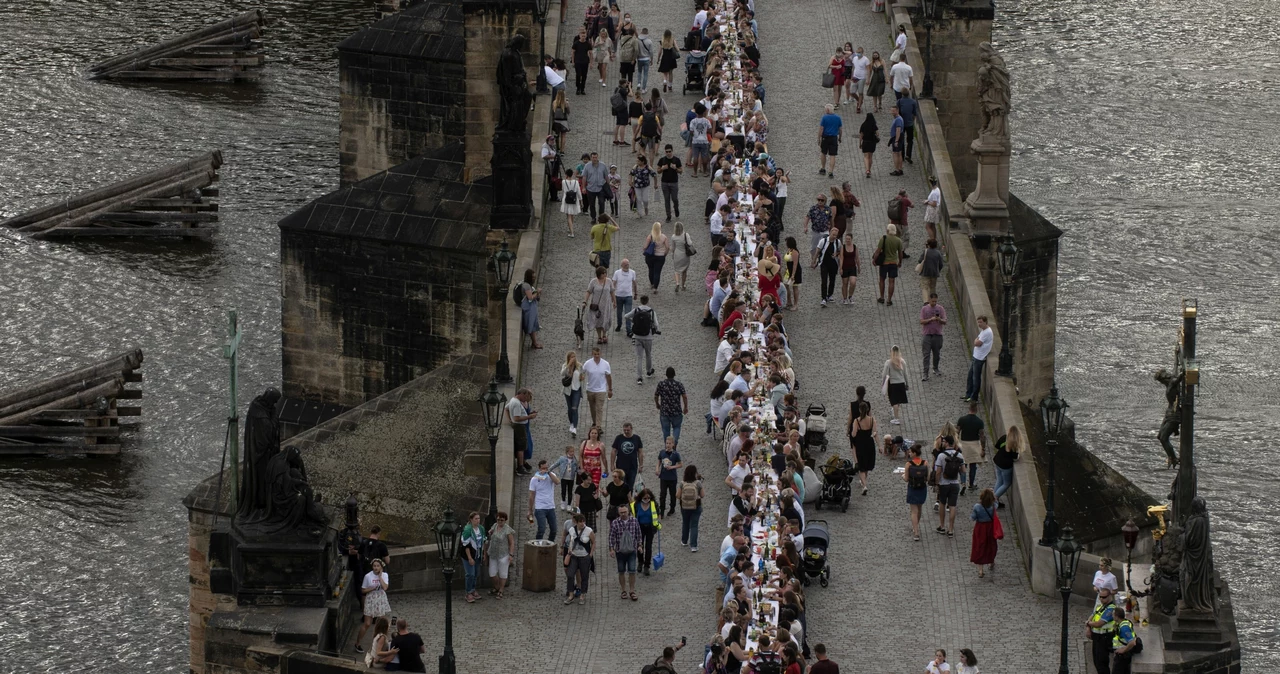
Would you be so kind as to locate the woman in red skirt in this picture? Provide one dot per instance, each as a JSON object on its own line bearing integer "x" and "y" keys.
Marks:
{"x": 983, "y": 550}
{"x": 837, "y": 70}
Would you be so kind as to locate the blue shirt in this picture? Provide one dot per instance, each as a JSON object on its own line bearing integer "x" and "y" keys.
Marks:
{"x": 908, "y": 108}
{"x": 727, "y": 560}
{"x": 831, "y": 124}
{"x": 669, "y": 473}
{"x": 895, "y": 127}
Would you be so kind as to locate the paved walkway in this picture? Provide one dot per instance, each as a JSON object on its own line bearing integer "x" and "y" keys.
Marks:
{"x": 891, "y": 601}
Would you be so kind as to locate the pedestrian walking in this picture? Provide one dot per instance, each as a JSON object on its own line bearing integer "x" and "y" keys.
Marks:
{"x": 931, "y": 207}
{"x": 908, "y": 109}
{"x": 595, "y": 175}
{"x": 502, "y": 547}
{"x": 668, "y": 60}
{"x": 699, "y": 129}
{"x": 930, "y": 268}
{"x": 644, "y": 58}
{"x": 868, "y": 141}
{"x": 889, "y": 252}
{"x": 601, "y": 48}
{"x": 968, "y": 662}
{"x": 571, "y": 200}
{"x": 644, "y": 326}
{"x": 591, "y": 455}
{"x": 947, "y": 468}
{"x": 900, "y": 41}
{"x": 691, "y": 495}
{"x": 982, "y": 549}
{"x": 899, "y": 205}
{"x": 374, "y": 587}
{"x": 836, "y": 69}
{"x": 560, "y": 117}
{"x": 830, "y": 133}
{"x": 571, "y": 380}
{"x": 933, "y": 318}
{"x": 641, "y": 181}
{"x": 624, "y": 288}
{"x": 672, "y": 402}
{"x": 840, "y": 213}
{"x": 628, "y": 51}
{"x": 895, "y": 382}
{"x": 681, "y": 251}
{"x": 938, "y": 665}
{"x": 897, "y": 139}
{"x": 981, "y": 349}
{"x": 645, "y": 510}
{"x": 817, "y": 222}
{"x": 599, "y": 302}
{"x": 794, "y": 273}
{"x": 581, "y": 48}
{"x": 916, "y": 475}
{"x": 903, "y": 77}
{"x": 649, "y": 130}
{"x": 669, "y": 464}
{"x": 613, "y": 190}
{"x": 849, "y": 265}
{"x": 876, "y": 82}
{"x": 656, "y": 248}
{"x": 473, "y": 554}
{"x": 624, "y": 544}
{"x": 519, "y": 414}
{"x": 599, "y": 385}
{"x": 542, "y": 501}
{"x": 627, "y": 455}
{"x": 669, "y": 168}
{"x": 822, "y": 664}
{"x": 862, "y": 431}
{"x": 566, "y": 469}
{"x": 530, "y": 297}
{"x": 551, "y": 163}
{"x": 579, "y": 542}
{"x": 1008, "y": 448}
{"x": 973, "y": 443}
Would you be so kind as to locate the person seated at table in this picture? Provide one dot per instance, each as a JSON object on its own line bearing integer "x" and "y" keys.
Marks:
{"x": 788, "y": 556}
{"x": 735, "y": 585}
{"x": 730, "y": 310}
{"x": 790, "y": 508}
{"x": 735, "y": 530}
{"x": 735, "y": 645}
{"x": 743, "y": 596}
{"x": 766, "y": 652}
{"x": 797, "y": 533}
{"x": 744, "y": 503}
{"x": 731, "y": 430}
{"x": 731, "y": 371}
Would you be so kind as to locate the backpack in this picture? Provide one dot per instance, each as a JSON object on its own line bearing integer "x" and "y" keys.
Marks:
{"x": 627, "y": 543}
{"x": 642, "y": 323}
{"x": 517, "y": 294}
{"x": 649, "y": 124}
{"x": 658, "y": 667}
{"x": 689, "y": 496}
{"x": 570, "y": 197}
{"x": 918, "y": 475}
{"x": 617, "y": 103}
{"x": 895, "y": 209}
{"x": 768, "y": 665}
{"x": 952, "y": 465}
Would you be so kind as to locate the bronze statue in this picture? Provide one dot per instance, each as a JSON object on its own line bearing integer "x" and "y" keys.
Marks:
{"x": 993, "y": 89}
{"x": 1172, "y": 414}
{"x": 291, "y": 503}
{"x": 261, "y": 443}
{"x": 1196, "y": 569}
{"x": 513, "y": 85}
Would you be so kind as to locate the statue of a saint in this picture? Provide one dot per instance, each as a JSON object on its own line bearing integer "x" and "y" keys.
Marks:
{"x": 292, "y": 504}
{"x": 513, "y": 86}
{"x": 261, "y": 443}
{"x": 1172, "y": 414}
{"x": 993, "y": 89}
{"x": 1196, "y": 572}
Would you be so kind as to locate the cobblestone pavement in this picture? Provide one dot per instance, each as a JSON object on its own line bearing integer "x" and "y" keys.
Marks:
{"x": 891, "y": 601}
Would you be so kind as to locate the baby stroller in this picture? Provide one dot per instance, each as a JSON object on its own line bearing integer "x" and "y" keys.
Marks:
{"x": 694, "y": 63}
{"x": 814, "y": 562}
{"x": 815, "y": 427}
{"x": 837, "y": 483}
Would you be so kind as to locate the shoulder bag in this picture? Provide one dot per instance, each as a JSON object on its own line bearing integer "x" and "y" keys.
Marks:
{"x": 828, "y": 79}
{"x": 688, "y": 247}
{"x": 878, "y": 258}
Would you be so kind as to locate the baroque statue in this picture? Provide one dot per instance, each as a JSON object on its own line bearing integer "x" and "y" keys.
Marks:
{"x": 993, "y": 90}
{"x": 513, "y": 86}
{"x": 292, "y": 505}
{"x": 1172, "y": 414}
{"x": 261, "y": 443}
{"x": 1196, "y": 569}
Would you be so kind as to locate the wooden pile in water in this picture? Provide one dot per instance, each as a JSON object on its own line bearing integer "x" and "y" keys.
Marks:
{"x": 226, "y": 51}
{"x": 169, "y": 201}
{"x": 72, "y": 413}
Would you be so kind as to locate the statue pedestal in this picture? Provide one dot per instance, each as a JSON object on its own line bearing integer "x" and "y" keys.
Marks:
{"x": 288, "y": 570}
{"x": 512, "y": 181}
{"x": 987, "y": 206}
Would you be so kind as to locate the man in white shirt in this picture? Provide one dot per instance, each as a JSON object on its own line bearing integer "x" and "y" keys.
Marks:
{"x": 624, "y": 289}
{"x": 860, "y": 65}
{"x": 700, "y": 20}
{"x": 981, "y": 349}
{"x": 741, "y": 469}
{"x": 931, "y": 210}
{"x": 519, "y": 415}
{"x": 599, "y": 384}
{"x": 717, "y": 223}
{"x": 902, "y": 76}
{"x": 742, "y": 382}
{"x": 542, "y": 501}
{"x": 736, "y": 442}
{"x": 727, "y": 350}
{"x": 554, "y": 80}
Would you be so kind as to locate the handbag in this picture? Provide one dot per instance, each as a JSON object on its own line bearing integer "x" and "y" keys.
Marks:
{"x": 688, "y": 247}
{"x": 651, "y": 249}
{"x": 997, "y": 529}
{"x": 593, "y": 260}
{"x": 884, "y": 386}
{"x": 877, "y": 259}
{"x": 920, "y": 266}
{"x": 566, "y": 381}
{"x": 828, "y": 80}
{"x": 659, "y": 559}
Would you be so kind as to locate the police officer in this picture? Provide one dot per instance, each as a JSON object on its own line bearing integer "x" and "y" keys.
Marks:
{"x": 1125, "y": 644}
{"x": 1102, "y": 627}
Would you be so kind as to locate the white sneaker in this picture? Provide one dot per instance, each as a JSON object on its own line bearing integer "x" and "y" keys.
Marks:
{"x": 573, "y": 430}
{"x": 895, "y": 422}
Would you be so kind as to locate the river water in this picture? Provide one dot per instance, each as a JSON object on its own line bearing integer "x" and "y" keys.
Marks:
{"x": 1143, "y": 129}
{"x": 1133, "y": 152}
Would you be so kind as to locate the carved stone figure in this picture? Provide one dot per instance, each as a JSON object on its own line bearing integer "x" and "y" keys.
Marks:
{"x": 993, "y": 89}
{"x": 1167, "y": 561}
{"x": 261, "y": 443}
{"x": 1196, "y": 569}
{"x": 291, "y": 503}
{"x": 513, "y": 86}
{"x": 1172, "y": 414}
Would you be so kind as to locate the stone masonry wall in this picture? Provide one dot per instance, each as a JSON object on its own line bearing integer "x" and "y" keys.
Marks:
{"x": 361, "y": 317}
{"x": 393, "y": 109}
{"x": 487, "y": 32}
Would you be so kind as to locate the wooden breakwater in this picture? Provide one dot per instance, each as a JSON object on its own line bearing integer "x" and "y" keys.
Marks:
{"x": 73, "y": 413}
{"x": 226, "y": 51}
{"x": 172, "y": 201}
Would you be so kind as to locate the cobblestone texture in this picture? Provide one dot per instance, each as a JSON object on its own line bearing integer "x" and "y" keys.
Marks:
{"x": 891, "y": 601}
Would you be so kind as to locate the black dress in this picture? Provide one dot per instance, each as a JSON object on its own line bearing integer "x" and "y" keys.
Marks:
{"x": 864, "y": 447}
{"x": 669, "y": 60}
{"x": 870, "y": 137}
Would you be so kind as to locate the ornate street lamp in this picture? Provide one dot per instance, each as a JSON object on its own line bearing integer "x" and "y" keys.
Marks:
{"x": 503, "y": 262}
{"x": 541, "y": 7}
{"x": 447, "y": 534}
{"x": 1066, "y": 555}
{"x": 929, "y": 10}
{"x": 494, "y": 402}
{"x": 1008, "y": 255}
{"x": 1054, "y": 411}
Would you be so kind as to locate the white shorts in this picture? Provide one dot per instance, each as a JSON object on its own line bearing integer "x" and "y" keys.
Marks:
{"x": 859, "y": 86}
{"x": 498, "y": 567}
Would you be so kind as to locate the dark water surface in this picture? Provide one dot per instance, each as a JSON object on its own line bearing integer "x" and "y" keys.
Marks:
{"x": 1145, "y": 130}
{"x": 94, "y": 551}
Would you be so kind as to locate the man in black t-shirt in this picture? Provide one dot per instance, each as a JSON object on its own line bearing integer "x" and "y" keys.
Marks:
{"x": 973, "y": 443}
{"x": 628, "y": 455}
{"x": 370, "y": 549}
{"x": 670, "y": 167}
{"x": 411, "y": 649}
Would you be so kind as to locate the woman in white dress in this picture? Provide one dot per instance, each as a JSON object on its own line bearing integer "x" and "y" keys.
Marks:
{"x": 376, "y": 605}
{"x": 571, "y": 205}
{"x": 599, "y": 304}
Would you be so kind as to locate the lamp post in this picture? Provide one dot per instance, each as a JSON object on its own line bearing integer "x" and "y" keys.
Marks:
{"x": 503, "y": 262}
{"x": 1054, "y": 411}
{"x": 930, "y": 10}
{"x": 447, "y": 534}
{"x": 494, "y": 402}
{"x": 1066, "y": 555}
{"x": 541, "y": 7}
{"x": 1008, "y": 255}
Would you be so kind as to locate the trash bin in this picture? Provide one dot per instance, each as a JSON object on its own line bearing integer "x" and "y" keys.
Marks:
{"x": 539, "y": 566}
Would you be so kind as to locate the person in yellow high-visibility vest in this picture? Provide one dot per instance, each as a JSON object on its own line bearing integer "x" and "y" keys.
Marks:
{"x": 1125, "y": 643}
{"x": 1102, "y": 626}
